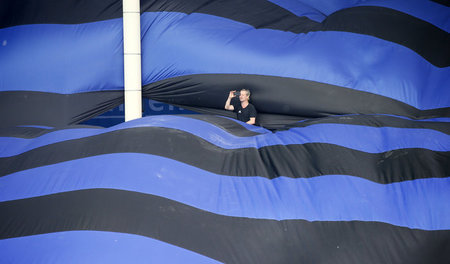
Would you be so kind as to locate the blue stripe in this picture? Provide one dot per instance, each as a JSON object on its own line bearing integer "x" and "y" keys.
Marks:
{"x": 63, "y": 59}
{"x": 88, "y": 57}
{"x": 421, "y": 204}
{"x": 176, "y": 44}
{"x": 94, "y": 247}
{"x": 362, "y": 138}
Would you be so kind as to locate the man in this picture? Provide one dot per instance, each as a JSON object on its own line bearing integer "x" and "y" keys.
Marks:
{"x": 245, "y": 111}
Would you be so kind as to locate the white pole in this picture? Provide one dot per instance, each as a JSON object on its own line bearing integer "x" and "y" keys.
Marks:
{"x": 132, "y": 59}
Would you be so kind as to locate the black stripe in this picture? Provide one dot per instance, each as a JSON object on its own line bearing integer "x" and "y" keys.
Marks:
{"x": 424, "y": 38}
{"x": 285, "y": 122}
{"x": 442, "y": 2}
{"x": 23, "y": 132}
{"x": 281, "y": 95}
{"x": 224, "y": 238}
{"x": 54, "y": 110}
{"x": 427, "y": 40}
{"x": 291, "y": 97}
{"x": 305, "y": 160}
{"x": 258, "y": 13}
{"x": 33, "y": 132}
{"x": 230, "y": 126}
{"x": 23, "y": 12}
{"x": 375, "y": 121}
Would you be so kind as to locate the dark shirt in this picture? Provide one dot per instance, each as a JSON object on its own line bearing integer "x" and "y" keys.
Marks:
{"x": 244, "y": 114}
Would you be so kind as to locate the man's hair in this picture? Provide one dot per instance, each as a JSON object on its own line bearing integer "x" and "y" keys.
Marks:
{"x": 246, "y": 90}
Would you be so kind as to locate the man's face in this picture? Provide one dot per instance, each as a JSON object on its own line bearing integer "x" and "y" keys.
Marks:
{"x": 243, "y": 96}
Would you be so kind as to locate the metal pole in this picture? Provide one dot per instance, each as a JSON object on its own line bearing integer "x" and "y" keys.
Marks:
{"x": 132, "y": 59}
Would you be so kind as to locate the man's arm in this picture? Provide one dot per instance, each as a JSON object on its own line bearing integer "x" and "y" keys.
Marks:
{"x": 228, "y": 105}
{"x": 251, "y": 121}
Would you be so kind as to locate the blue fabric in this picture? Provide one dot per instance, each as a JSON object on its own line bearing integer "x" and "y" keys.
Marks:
{"x": 94, "y": 247}
{"x": 414, "y": 204}
{"x": 367, "y": 139}
{"x": 63, "y": 59}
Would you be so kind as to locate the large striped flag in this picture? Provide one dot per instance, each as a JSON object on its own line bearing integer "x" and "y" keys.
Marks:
{"x": 354, "y": 169}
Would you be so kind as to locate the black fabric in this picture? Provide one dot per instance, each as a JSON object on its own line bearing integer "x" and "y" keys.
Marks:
{"x": 296, "y": 160}
{"x": 23, "y": 12}
{"x": 33, "y": 132}
{"x": 275, "y": 109}
{"x": 55, "y": 110}
{"x": 243, "y": 114}
{"x": 424, "y": 38}
{"x": 374, "y": 121}
{"x": 442, "y": 2}
{"x": 83, "y": 11}
{"x": 277, "y": 122}
{"x": 226, "y": 124}
{"x": 224, "y": 238}
{"x": 427, "y": 40}
{"x": 295, "y": 98}
{"x": 23, "y": 132}
{"x": 272, "y": 122}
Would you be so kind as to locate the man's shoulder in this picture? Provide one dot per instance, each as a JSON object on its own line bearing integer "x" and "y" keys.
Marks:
{"x": 251, "y": 106}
